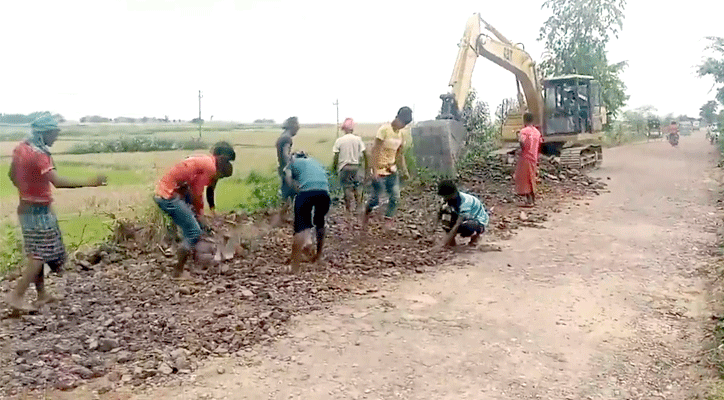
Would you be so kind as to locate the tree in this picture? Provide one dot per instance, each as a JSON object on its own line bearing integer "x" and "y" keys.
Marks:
{"x": 638, "y": 119}
{"x": 707, "y": 112}
{"x": 715, "y": 66}
{"x": 575, "y": 37}
{"x": 668, "y": 118}
{"x": 476, "y": 114}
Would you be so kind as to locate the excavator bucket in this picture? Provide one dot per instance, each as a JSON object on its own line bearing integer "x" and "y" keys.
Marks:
{"x": 437, "y": 144}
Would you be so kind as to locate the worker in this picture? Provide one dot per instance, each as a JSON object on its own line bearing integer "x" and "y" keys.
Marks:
{"x": 186, "y": 180}
{"x": 462, "y": 214}
{"x": 526, "y": 170}
{"x": 348, "y": 151}
{"x": 32, "y": 172}
{"x": 309, "y": 180}
{"x": 387, "y": 159}
{"x": 284, "y": 149}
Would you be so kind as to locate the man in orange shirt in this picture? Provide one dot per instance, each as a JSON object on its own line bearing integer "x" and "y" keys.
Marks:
{"x": 186, "y": 180}
{"x": 526, "y": 171}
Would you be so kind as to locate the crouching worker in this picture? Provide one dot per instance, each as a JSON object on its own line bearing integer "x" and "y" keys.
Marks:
{"x": 32, "y": 172}
{"x": 462, "y": 214}
{"x": 309, "y": 179}
{"x": 186, "y": 181}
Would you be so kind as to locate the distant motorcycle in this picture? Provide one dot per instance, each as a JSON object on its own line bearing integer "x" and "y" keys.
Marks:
{"x": 673, "y": 139}
{"x": 713, "y": 137}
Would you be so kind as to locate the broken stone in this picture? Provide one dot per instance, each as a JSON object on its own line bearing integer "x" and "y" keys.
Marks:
{"x": 105, "y": 388}
{"x": 82, "y": 371}
{"x": 182, "y": 364}
{"x": 124, "y": 356}
{"x": 85, "y": 265}
{"x": 107, "y": 344}
{"x": 114, "y": 376}
{"x": 165, "y": 369}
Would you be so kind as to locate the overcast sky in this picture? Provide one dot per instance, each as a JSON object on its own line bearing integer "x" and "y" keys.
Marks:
{"x": 275, "y": 58}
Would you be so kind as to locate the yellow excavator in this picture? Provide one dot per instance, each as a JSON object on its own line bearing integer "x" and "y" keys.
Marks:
{"x": 566, "y": 109}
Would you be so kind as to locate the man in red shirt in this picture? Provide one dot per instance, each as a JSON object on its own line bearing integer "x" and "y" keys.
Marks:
{"x": 187, "y": 180}
{"x": 32, "y": 172}
{"x": 526, "y": 170}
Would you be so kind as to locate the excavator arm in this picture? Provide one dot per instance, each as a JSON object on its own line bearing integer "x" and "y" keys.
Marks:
{"x": 502, "y": 52}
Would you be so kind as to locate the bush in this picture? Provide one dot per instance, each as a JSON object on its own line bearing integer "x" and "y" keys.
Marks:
{"x": 11, "y": 249}
{"x": 264, "y": 192}
{"x": 136, "y": 144}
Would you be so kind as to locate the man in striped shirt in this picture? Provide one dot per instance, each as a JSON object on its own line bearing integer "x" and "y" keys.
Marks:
{"x": 462, "y": 214}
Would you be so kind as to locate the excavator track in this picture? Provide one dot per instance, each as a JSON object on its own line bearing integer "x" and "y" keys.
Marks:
{"x": 582, "y": 157}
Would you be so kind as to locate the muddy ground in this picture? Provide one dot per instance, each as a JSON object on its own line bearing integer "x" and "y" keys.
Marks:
{"x": 124, "y": 323}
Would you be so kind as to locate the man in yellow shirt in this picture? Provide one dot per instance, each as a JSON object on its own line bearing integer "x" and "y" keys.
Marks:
{"x": 387, "y": 156}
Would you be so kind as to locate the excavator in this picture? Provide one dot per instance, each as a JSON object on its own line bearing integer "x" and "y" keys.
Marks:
{"x": 567, "y": 109}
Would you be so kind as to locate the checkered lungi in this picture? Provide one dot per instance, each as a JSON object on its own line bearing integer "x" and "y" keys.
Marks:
{"x": 41, "y": 234}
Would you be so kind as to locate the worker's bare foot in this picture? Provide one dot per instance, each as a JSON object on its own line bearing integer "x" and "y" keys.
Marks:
{"x": 45, "y": 298}
{"x": 474, "y": 240}
{"x": 275, "y": 221}
{"x": 177, "y": 271}
{"x": 17, "y": 304}
{"x": 365, "y": 220}
{"x": 389, "y": 223}
{"x": 295, "y": 267}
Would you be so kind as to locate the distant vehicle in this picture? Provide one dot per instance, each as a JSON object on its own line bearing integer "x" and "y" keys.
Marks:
{"x": 685, "y": 128}
{"x": 654, "y": 129}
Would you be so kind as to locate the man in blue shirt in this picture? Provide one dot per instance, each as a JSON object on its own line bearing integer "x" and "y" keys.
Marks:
{"x": 462, "y": 214}
{"x": 308, "y": 178}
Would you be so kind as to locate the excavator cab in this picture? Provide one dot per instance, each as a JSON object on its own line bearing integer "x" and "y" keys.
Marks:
{"x": 572, "y": 105}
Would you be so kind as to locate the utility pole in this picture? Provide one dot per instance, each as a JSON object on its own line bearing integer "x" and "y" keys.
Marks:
{"x": 336, "y": 103}
{"x": 200, "y": 97}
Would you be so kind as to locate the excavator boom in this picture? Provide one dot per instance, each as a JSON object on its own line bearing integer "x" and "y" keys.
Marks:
{"x": 517, "y": 61}
{"x": 500, "y": 51}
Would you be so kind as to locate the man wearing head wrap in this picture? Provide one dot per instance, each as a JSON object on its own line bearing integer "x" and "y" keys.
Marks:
{"x": 348, "y": 151}
{"x": 387, "y": 159}
{"x": 284, "y": 151}
{"x": 32, "y": 172}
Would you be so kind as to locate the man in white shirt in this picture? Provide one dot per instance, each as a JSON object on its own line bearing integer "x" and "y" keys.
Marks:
{"x": 348, "y": 151}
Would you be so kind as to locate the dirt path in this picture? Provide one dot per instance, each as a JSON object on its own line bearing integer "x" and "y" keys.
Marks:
{"x": 606, "y": 302}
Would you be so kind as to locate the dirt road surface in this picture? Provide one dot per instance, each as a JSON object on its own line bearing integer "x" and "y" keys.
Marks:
{"x": 608, "y": 301}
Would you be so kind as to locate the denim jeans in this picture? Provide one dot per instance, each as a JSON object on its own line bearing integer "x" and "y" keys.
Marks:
{"x": 182, "y": 215}
{"x": 392, "y": 187}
